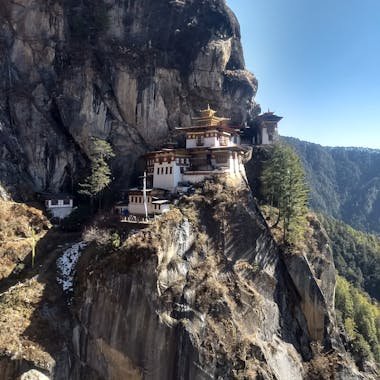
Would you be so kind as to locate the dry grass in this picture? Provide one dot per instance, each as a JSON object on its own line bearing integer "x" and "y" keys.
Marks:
{"x": 16, "y": 224}
{"x": 17, "y": 307}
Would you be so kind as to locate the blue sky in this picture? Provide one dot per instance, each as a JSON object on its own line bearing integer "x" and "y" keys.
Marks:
{"x": 318, "y": 65}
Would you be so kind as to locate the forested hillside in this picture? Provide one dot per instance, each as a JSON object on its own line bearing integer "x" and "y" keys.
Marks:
{"x": 356, "y": 255}
{"x": 345, "y": 182}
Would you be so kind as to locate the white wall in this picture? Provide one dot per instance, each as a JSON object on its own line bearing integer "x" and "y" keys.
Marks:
{"x": 211, "y": 141}
{"x": 231, "y": 163}
{"x": 265, "y": 137}
{"x": 160, "y": 209}
{"x": 60, "y": 204}
{"x": 265, "y": 140}
{"x": 191, "y": 143}
{"x": 207, "y": 142}
{"x": 136, "y": 208}
{"x": 166, "y": 181}
{"x": 61, "y": 212}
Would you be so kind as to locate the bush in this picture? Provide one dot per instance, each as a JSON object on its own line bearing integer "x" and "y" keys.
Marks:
{"x": 102, "y": 237}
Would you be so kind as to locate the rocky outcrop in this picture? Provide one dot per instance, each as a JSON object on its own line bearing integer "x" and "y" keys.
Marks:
{"x": 313, "y": 273}
{"x": 129, "y": 72}
{"x": 204, "y": 293}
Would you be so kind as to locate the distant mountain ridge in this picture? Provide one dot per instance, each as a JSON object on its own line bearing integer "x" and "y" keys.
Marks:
{"x": 345, "y": 182}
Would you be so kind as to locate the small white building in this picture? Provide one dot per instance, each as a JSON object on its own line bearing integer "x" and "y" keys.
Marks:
{"x": 264, "y": 131}
{"x": 59, "y": 205}
{"x": 155, "y": 204}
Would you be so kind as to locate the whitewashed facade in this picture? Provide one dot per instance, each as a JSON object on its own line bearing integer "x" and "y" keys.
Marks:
{"x": 154, "y": 204}
{"x": 59, "y": 208}
{"x": 212, "y": 148}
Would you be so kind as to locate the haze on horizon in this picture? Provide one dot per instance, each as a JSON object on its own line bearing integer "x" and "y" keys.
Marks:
{"x": 318, "y": 66}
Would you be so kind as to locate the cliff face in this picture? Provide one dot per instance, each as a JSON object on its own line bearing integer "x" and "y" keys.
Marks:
{"x": 126, "y": 71}
{"x": 204, "y": 293}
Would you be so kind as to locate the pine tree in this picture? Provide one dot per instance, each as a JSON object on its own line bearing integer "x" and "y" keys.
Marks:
{"x": 284, "y": 187}
{"x": 100, "y": 176}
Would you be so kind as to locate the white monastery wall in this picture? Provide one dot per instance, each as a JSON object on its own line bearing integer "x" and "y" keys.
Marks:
{"x": 163, "y": 177}
{"x": 61, "y": 212}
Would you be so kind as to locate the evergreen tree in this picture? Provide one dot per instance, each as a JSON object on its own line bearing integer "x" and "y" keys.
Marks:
{"x": 285, "y": 188}
{"x": 100, "y": 177}
{"x": 360, "y": 317}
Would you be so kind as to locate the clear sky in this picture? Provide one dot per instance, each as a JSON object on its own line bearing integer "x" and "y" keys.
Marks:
{"x": 318, "y": 66}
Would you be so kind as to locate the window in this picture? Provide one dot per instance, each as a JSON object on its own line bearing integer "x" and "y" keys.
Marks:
{"x": 158, "y": 171}
{"x": 66, "y": 201}
{"x": 200, "y": 140}
{"x": 166, "y": 170}
{"x": 54, "y": 202}
{"x": 171, "y": 170}
{"x": 162, "y": 170}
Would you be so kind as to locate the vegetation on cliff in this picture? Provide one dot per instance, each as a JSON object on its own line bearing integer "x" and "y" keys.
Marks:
{"x": 357, "y": 260}
{"x": 284, "y": 187}
{"x": 21, "y": 227}
{"x": 361, "y": 320}
{"x": 100, "y": 177}
{"x": 356, "y": 256}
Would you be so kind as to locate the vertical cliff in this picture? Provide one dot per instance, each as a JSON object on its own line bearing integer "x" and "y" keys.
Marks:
{"x": 203, "y": 293}
{"x": 125, "y": 71}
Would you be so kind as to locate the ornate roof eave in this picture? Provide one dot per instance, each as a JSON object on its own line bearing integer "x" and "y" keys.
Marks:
{"x": 176, "y": 152}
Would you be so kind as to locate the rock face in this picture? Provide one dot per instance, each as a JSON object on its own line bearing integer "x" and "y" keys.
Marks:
{"x": 209, "y": 299}
{"x": 125, "y": 71}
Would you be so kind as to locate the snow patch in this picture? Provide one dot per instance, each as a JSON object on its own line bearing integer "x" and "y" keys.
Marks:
{"x": 66, "y": 265}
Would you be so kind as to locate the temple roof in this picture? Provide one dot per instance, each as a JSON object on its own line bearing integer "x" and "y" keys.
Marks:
{"x": 207, "y": 118}
{"x": 269, "y": 116}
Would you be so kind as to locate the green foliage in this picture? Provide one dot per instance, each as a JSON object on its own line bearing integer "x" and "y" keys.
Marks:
{"x": 344, "y": 182}
{"x": 356, "y": 255}
{"x": 361, "y": 319}
{"x": 100, "y": 176}
{"x": 115, "y": 240}
{"x": 284, "y": 187}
